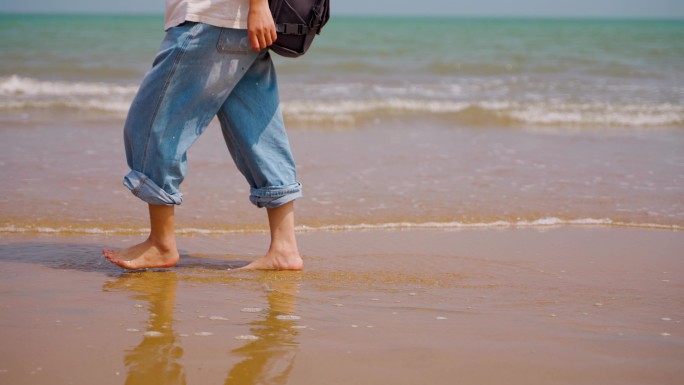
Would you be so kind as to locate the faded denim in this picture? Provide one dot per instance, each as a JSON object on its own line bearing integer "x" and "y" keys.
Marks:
{"x": 202, "y": 71}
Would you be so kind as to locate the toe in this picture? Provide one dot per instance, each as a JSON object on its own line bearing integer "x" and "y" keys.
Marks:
{"x": 124, "y": 264}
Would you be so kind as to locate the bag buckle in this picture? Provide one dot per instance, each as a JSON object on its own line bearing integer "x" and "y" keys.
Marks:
{"x": 292, "y": 29}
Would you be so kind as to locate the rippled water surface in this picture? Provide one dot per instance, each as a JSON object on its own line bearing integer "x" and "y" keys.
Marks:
{"x": 500, "y": 123}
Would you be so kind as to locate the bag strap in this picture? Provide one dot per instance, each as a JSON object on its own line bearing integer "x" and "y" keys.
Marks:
{"x": 316, "y": 22}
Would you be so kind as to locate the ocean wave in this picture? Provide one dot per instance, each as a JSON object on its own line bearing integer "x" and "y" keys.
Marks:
{"x": 21, "y": 93}
{"x": 506, "y": 113}
{"x": 455, "y": 225}
{"x": 22, "y": 86}
{"x": 93, "y": 105}
{"x": 539, "y": 223}
{"x": 353, "y": 104}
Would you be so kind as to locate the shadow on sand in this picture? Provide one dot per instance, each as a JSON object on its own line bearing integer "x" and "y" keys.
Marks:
{"x": 88, "y": 258}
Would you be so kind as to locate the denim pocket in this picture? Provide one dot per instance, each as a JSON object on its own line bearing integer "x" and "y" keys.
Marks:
{"x": 233, "y": 41}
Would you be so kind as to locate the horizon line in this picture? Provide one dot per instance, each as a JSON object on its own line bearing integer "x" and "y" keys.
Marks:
{"x": 371, "y": 15}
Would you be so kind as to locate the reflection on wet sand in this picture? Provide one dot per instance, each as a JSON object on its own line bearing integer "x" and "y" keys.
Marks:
{"x": 270, "y": 358}
{"x": 267, "y": 358}
{"x": 155, "y": 359}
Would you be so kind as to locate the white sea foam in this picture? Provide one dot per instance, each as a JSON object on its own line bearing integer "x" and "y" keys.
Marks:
{"x": 116, "y": 106}
{"x": 18, "y": 92}
{"x": 22, "y": 86}
{"x": 537, "y": 223}
{"x": 362, "y": 106}
{"x": 600, "y": 114}
{"x": 454, "y": 225}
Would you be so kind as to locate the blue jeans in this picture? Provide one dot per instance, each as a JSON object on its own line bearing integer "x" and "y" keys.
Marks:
{"x": 202, "y": 71}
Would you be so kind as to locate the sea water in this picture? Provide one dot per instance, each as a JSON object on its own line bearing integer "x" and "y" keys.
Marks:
{"x": 552, "y": 73}
{"x": 395, "y": 122}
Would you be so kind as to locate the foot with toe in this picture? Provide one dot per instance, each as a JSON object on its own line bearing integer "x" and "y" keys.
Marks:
{"x": 147, "y": 254}
{"x": 277, "y": 260}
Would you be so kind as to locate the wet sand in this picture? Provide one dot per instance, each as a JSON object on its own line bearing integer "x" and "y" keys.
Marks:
{"x": 520, "y": 306}
{"x": 66, "y": 175}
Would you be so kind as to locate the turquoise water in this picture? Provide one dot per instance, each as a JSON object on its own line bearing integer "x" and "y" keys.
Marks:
{"x": 421, "y": 122}
{"x": 554, "y": 73}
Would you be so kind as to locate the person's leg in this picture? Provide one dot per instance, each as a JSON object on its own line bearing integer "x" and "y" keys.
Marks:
{"x": 283, "y": 253}
{"x": 194, "y": 72}
{"x": 158, "y": 250}
{"x": 253, "y": 128}
{"x": 187, "y": 85}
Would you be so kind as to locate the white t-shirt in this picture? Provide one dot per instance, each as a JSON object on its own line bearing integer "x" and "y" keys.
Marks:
{"x": 219, "y": 13}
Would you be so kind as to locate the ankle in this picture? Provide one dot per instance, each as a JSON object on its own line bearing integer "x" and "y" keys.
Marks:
{"x": 288, "y": 247}
{"x": 163, "y": 244}
{"x": 284, "y": 258}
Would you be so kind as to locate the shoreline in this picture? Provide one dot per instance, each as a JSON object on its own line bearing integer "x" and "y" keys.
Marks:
{"x": 539, "y": 224}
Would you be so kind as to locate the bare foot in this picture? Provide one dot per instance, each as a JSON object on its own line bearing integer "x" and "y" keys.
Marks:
{"x": 144, "y": 255}
{"x": 277, "y": 260}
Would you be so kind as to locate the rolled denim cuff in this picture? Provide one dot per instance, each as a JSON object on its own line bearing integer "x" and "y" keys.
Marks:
{"x": 272, "y": 197}
{"x": 144, "y": 188}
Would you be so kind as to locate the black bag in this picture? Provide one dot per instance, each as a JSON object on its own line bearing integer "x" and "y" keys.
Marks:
{"x": 297, "y": 23}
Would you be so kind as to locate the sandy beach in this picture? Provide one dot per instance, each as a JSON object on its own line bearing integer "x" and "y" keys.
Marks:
{"x": 505, "y": 211}
{"x": 522, "y": 306}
